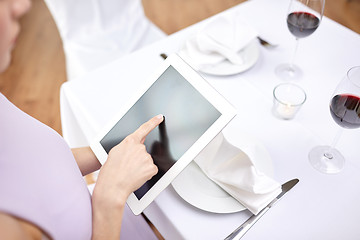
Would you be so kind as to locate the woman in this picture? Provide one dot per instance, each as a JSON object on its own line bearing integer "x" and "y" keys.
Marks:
{"x": 42, "y": 191}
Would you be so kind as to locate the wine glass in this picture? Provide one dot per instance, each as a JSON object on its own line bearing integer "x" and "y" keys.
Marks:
{"x": 345, "y": 110}
{"x": 304, "y": 17}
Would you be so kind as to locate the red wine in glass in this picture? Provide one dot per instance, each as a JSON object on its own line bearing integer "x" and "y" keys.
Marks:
{"x": 303, "y": 18}
{"x": 302, "y": 24}
{"x": 345, "y": 110}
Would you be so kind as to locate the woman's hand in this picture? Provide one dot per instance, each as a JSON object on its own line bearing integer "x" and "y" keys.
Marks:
{"x": 127, "y": 168}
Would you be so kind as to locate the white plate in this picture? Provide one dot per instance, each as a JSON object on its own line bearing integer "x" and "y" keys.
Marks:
{"x": 250, "y": 55}
{"x": 198, "y": 190}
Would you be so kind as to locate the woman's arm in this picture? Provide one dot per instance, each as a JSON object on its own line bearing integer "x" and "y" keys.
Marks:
{"x": 127, "y": 168}
{"x": 16, "y": 229}
{"x": 86, "y": 160}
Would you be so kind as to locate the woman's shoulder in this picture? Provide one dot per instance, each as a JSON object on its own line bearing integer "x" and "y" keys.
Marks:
{"x": 39, "y": 178}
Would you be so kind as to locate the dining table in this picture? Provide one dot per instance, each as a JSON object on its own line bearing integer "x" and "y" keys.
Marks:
{"x": 320, "y": 206}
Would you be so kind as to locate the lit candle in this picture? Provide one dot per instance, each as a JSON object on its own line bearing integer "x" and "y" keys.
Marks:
{"x": 286, "y": 111}
{"x": 288, "y": 98}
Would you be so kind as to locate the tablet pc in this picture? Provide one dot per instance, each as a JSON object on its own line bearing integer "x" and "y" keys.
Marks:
{"x": 194, "y": 113}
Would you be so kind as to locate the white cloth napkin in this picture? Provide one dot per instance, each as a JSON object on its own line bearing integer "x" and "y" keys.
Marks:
{"x": 220, "y": 39}
{"x": 233, "y": 170}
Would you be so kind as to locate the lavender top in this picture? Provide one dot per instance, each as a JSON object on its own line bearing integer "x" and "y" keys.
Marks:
{"x": 39, "y": 178}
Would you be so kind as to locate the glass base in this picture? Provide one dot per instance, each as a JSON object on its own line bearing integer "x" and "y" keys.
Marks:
{"x": 326, "y": 159}
{"x": 288, "y": 72}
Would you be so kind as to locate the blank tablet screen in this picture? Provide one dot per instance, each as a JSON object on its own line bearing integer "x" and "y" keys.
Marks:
{"x": 187, "y": 116}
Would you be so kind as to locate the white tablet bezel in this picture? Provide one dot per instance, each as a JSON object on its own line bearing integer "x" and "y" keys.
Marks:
{"x": 227, "y": 112}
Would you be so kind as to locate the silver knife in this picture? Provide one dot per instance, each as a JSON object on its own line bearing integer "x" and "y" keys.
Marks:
{"x": 240, "y": 231}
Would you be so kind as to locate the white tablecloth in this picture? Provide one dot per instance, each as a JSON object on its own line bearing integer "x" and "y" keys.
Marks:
{"x": 320, "y": 206}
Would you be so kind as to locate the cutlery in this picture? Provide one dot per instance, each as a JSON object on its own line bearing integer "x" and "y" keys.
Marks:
{"x": 243, "y": 228}
{"x": 163, "y": 55}
{"x": 266, "y": 43}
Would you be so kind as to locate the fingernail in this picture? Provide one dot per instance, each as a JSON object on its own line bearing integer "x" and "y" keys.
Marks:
{"x": 160, "y": 116}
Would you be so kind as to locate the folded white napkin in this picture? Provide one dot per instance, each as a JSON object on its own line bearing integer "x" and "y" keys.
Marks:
{"x": 220, "y": 39}
{"x": 233, "y": 170}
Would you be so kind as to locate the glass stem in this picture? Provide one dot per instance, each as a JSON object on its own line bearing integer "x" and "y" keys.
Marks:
{"x": 328, "y": 154}
{"x": 293, "y": 56}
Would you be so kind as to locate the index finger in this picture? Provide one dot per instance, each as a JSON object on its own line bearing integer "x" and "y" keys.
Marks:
{"x": 147, "y": 127}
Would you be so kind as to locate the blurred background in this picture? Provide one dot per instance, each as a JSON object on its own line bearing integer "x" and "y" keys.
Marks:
{"x": 33, "y": 80}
